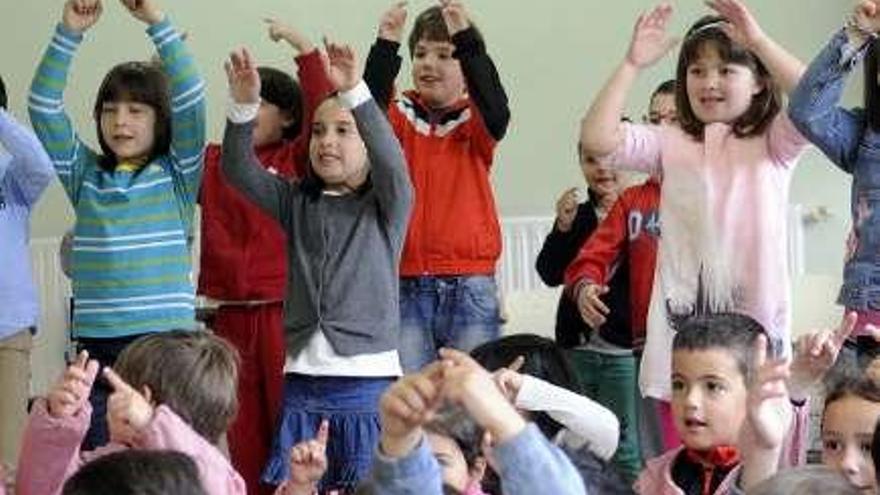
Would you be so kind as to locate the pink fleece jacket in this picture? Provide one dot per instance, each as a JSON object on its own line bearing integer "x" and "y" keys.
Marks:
{"x": 723, "y": 214}
{"x": 50, "y": 451}
{"x": 656, "y": 477}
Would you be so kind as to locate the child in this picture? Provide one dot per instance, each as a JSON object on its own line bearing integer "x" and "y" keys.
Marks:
{"x": 174, "y": 390}
{"x": 527, "y": 462}
{"x": 661, "y": 109}
{"x": 448, "y": 127}
{"x": 345, "y": 224}
{"x": 25, "y": 171}
{"x": 729, "y": 402}
{"x": 806, "y": 480}
{"x": 243, "y": 268}
{"x": 134, "y": 200}
{"x": 726, "y": 169}
{"x": 137, "y": 472}
{"x": 847, "y": 138}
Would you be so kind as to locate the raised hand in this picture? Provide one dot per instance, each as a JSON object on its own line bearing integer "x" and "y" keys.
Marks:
{"x": 80, "y": 15}
{"x": 72, "y": 390}
{"x": 308, "y": 463}
{"x": 650, "y": 41}
{"x": 866, "y": 16}
{"x": 593, "y": 310}
{"x": 455, "y": 16}
{"x": 815, "y": 354}
{"x": 144, "y": 10}
{"x": 242, "y": 76}
{"x": 741, "y": 26}
{"x": 279, "y": 31}
{"x": 769, "y": 412}
{"x": 342, "y": 67}
{"x": 566, "y": 209}
{"x": 392, "y": 21}
{"x": 408, "y": 404}
{"x": 129, "y": 412}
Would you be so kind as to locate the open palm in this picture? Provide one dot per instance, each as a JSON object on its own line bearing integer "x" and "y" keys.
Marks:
{"x": 650, "y": 41}
{"x": 741, "y": 25}
{"x": 80, "y": 15}
{"x": 341, "y": 66}
{"x": 241, "y": 73}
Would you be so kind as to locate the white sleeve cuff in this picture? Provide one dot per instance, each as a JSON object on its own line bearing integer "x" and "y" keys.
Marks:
{"x": 240, "y": 113}
{"x": 356, "y": 96}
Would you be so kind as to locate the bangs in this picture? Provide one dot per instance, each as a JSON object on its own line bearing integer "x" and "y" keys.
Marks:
{"x": 729, "y": 52}
{"x": 136, "y": 82}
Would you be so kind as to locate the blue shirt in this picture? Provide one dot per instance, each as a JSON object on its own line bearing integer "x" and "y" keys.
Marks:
{"x": 25, "y": 171}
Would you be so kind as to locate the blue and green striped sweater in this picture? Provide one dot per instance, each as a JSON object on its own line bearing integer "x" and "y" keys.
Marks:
{"x": 131, "y": 261}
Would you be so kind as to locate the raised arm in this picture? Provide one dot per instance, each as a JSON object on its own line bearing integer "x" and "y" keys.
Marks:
{"x": 601, "y": 129}
{"x": 383, "y": 62}
{"x": 70, "y": 155}
{"x": 30, "y": 168}
{"x": 573, "y": 224}
{"x": 238, "y": 161}
{"x": 387, "y": 164}
{"x": 743, "y": 28}
{"x": 187, "y": 97}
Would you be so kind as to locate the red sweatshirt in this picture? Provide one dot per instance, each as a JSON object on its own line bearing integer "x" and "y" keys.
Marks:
{"x": 631, "y": 229}
{"x": 243, "y": 249}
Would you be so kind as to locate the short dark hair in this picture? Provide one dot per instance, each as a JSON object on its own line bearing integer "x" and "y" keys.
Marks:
{"x": 140, "y": 82}
{"x": 543, "y": 359}
{"x": 734, "y": 333}
{"x": 193, "y": 373}
{"x": 806, "y": 480}
{"x": 280, "y": 89}
{"x": 137, "y": 472}
{"x": 707, "y": 31}
{"x": 667, "y": 87}
{"x": 430, "y": 26}
{"x": 3, "y": 100}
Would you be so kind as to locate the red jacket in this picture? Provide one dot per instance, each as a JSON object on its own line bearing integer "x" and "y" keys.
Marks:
{"x": 243, "y": 249}
{"x": 454, "y": 227}
{"x": 631, "y": 230}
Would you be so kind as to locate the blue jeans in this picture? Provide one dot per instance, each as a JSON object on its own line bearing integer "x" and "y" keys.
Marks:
{"x": 459, "y": 312}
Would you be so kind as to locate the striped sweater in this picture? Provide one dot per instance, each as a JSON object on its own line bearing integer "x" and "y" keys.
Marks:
{"x": 131, "y": 262}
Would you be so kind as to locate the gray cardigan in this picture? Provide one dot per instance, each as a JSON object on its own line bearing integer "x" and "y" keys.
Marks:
{"x": 343, "y": 251}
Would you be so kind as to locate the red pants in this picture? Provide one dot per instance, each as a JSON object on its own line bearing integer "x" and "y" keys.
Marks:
{"x": 258, "y": 335}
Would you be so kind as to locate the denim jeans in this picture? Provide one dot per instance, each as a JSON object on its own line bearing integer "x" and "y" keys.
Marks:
{"x": 612, "y": 380}
{"x": 458, "y": 312}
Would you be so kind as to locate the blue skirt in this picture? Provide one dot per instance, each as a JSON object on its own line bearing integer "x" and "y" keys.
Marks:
{"x": 350, "y": 404}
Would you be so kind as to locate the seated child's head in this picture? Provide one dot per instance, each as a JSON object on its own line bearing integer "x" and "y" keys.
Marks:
{"x": 137, "y": 472}
{"x": 601, "y": 179}
{"x": 720, "y": 81}
{"x": 193, "y": 373}
{"x": 337, "y": 154}
{"x": 711, "y": 370}
{"x": 542, "y": 358}
{"x": 133, "y": 114}
{"x": 435, "y": 72}
{"x": 805, "y": 480}
{"x": 281, "y": 108}
{"x": 2, "y": 94}
{"x": 852, "y": 408}
{"x": 455, "y": 440}
{"x": 661, "y": 109}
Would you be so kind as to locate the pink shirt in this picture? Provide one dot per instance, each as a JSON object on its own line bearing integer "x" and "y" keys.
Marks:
{"x": 50, "y": 451}
{"x": 723, "y": 215}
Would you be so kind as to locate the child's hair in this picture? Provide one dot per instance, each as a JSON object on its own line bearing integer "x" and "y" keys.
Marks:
{"x": 872, "y": 86}
{"x": 765, "y": 105}
{"x": 543, "y": 359}
{"x": 140, "y": 82}
{"x": 734, "y": 333}
{"x": 875, "y": 450}
{"x": 137, "y": 472}
{"x": 667, "y": 87}
{"x": 806, "y": 480}
{"x": 2, "y": 94}
{"x": 281, "y": 90}
{"x": 430, "y": 26}
{"x": 193, "y": 373}
{"x": 454, "y": 422}
{"x": 851, "y": 386}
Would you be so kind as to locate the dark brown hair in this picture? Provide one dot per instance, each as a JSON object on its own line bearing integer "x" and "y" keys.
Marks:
{"x": 139, "y": 82}
{"x": 733, "y": 333}
{"x": 862, "y": 387}
{"x": 430, "y": 26}
{"x": 872, "y": 87}
{"x": 193, "y": 373}
{"x": 705, "y": 33}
